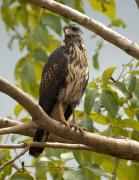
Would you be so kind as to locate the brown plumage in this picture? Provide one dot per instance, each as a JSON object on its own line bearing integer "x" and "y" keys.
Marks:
{"x": 64, "y": 80}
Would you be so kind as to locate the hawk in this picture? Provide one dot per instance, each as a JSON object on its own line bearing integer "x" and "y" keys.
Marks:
{"x": 64, "y": 80}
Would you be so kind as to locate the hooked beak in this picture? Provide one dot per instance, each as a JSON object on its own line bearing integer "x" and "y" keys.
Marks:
{"x": 67, "y": 30}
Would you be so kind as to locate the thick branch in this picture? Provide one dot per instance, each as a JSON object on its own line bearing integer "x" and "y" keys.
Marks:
{"x": 106, "y": 33}
{"x": 16, "y": 129}
{"x": 122, "y": 148}
{"x": 5, "y": 122}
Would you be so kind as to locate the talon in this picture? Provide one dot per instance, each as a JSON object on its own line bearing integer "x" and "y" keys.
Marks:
{"x": 84, "y": 129}
{"x": 77, "y": 128}
{"x": 73, "y": 126}
{"x": 63, "y": 121}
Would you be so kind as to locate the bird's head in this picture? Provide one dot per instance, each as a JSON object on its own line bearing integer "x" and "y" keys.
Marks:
{"x": 72, "y": 30}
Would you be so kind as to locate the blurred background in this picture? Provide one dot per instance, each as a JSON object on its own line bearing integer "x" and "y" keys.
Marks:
{"x": 28, "y": 35}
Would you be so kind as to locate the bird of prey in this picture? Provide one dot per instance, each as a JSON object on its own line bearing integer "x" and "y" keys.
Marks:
{"x": 64, "y": 80}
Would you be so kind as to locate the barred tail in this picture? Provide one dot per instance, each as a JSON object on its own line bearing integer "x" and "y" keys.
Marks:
{"x": 38, "y": 137}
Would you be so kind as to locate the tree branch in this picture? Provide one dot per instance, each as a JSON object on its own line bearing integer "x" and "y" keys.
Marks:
{"x": 14, "y": 159}
{"x": 137, "y": 2}
{"x": 106, "y": 33}
{"x": 47, "y": 144}
{"x": 122, "y": 148}
{"x": 16, "y": 129}
{"x": 5, "y": 122}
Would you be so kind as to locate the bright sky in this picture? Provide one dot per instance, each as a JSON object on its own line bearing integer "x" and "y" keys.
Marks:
{"x": 110, "y": 55}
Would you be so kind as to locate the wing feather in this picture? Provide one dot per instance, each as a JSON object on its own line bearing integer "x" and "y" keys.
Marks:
{"x": 53, "y": 79}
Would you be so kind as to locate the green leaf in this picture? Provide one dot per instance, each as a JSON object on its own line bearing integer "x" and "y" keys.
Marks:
{"x": 127, "y": 123}
{"x": 131, "y": 83}
{"x": 97, "y": 107}
{"x": 40, "y": 34}
{"x": 95, "y": 61}
{"x": 22, "y": 176}
{"x": 136, "y": 91}
{"x": 74, "y": 174}
{"x": 4, "y": 156}
{"x": 21, "y": 16}
{"x": 56, "y": 173}
{"x": 135, "y": 135}
{"x": 99, "y": 118}
{"x": 19, "y": 66}
{"x": 6, "y": 172}
{"x": 134, "y": 103}
{"x": 137, "y": 115}
{"x": 53, "y": 22}
{"x": 93, "y": 84}
{"x": 108, "y": 8}
{"x": 118, "y": 23}
{"x": 89, "y": 99}
{"x": 13, "y": 138}
{"x": 70, "y": 3}
{"x": 107, "y": 74}
{"x": 28, "y": 79}
{"x": 121, "y": 101}
{"x": 66, "y": 156}
{"x": 51, "y": 46}
{"x": 83, "y": 157}
{"x": 135, "y": 72}
{"x": 7, "y": 16}
{"x": 38, "y": 68}
{"x": 39, "y": 55}
{"x": 97, "y": 170}
{"x": 79, "y": 5}
{"x": 130, "y": 112}
{"x": 133, "y": 171}
{"x": 9, "y": 2}
{"x": 110, "y": 103}
{"x": 127, "y": 171}
{"x": 24, "y": 120}
{"x": 89, "y": 174}
{"x": 40, "y": 173}
{"x": 18, "y": 108}
{"x": 87, "y": 123}
{"x": 120, "y": 88}
{"x": 11, "y": 41}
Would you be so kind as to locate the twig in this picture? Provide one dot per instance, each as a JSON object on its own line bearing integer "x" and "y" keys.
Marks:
{"x": 5, "y": 122}
{"x": 16, "y": 167}
{"x": 48, "y": 144}
{"x": 14, "y": 159}
{"x": 18, "y": 158}
{"x": 116, "y": 163}
{"x": 17, "y": 128}
{"x": 105, "y": 32}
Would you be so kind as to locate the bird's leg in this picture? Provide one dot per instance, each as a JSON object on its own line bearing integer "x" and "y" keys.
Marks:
{"x": 74, "y": 119}
{"x": 62, "y": 117}
{"x": 74, "y": 125}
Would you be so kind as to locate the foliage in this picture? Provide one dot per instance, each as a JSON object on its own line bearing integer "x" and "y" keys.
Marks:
{"x": 111, "y": 105}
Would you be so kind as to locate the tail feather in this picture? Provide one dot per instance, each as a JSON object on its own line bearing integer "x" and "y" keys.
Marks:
{"x": 39, "y": 136}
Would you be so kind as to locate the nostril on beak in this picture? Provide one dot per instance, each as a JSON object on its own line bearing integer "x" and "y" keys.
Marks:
{"x": 65, "y": 27}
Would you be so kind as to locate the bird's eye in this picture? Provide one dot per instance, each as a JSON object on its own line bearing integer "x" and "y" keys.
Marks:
{"x": 75, "y": 28}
